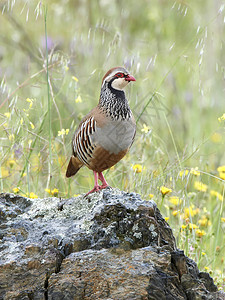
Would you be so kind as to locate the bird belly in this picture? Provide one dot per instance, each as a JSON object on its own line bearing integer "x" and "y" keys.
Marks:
{"x": 103, "y": 159}
{"x": 115, "y": 137}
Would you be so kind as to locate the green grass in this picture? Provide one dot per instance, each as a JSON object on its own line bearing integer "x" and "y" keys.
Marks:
{"x": 176, "y": 52}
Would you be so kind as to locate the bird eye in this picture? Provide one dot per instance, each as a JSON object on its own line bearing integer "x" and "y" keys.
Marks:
{"x": 119, "y": 75}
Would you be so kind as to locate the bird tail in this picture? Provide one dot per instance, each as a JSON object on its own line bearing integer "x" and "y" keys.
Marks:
{"x": 73, "y": 166}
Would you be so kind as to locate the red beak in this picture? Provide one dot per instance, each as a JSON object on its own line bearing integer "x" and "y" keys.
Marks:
{"x": 130, "y": 78}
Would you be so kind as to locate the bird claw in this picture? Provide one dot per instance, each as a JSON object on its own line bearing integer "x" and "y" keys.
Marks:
{"x": 103, "y": 186}
{"x": 97, "y": 188}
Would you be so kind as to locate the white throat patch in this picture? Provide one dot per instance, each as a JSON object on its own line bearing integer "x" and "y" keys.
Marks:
{"x": 119, "y": 83}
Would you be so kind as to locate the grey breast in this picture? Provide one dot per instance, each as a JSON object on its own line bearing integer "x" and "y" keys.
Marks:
{"x": 116, "y": 136}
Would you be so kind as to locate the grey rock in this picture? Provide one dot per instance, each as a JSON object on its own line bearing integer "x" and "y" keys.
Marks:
{"x": 109, "y": 245}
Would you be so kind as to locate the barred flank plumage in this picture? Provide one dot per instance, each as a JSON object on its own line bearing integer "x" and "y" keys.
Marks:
{"x": 82, "y": 142}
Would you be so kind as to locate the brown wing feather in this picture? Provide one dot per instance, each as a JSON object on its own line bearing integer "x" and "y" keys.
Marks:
{"x": 73, "y": 166}
{"x": 82, "y": 145}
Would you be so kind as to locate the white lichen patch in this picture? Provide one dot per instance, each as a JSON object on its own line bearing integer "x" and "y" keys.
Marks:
{"x": 152, "y": 229}
{"x": 73, "y": 208}
{"x": 135, "y": 227}
{"x": 138, "y": 235}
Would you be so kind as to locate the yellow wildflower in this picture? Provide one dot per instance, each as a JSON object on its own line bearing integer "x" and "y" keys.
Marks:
{"x": 175, "y": 200}
{"x": 10, "y": 163}
{"x": 31, "y": 102}
{"x": 222, "y": 175}
{"x": 145, "y": 128}
{"x": 11, "y": 137}
{"x": 203, "y": 253}
{"x": 174, "y": 213}
{"x": 78, "y": 99}
{"x": 21, "y": 121}
{"x": 7, "y": 114}
{"x": 216, "y": 138}
{"x": 221, "y": 169}
{"x": 48, "y": 191}
{"x": 183, "y": 173}
{"x": 200, "y": 233}
{"x": 216, "y": 194}
{"x": 63, "y": 132}
{"x": 54, "y": 192}
{"x": 205, "y": 210}
{"x": 192, "y": 226}
{"x": 33, "y": 196}
{"x": 222, "y": 118}
{"x": 76, "y": 195}
{"x": 183, "y": 226}
{"x": 151, "y": 195}
{"x": 206, "y": 268}
{"x": 75, "y": 78}
{"x": 204, "y": 221}
{"x": 199, "y": 186}
{"x": 16, "y": 190}
{"x": 31, "y": 125}
{"x": 223, "y": 220}
{"x": 195, "y": 172}
{"x": 190, "y": 211}
{"x": 164, "y": 190}
{"x": 137, "y": 168}
{"x": 166, "y": 219}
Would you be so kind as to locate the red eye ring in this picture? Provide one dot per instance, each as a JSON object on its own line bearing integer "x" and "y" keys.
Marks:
{"x": 119, "y": 75}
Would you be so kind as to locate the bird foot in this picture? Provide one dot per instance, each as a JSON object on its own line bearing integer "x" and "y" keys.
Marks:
{"x": 103, "y": 186}
{"x": 97, "y": 188}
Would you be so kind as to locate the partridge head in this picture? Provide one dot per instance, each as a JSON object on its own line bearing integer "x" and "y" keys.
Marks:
{"x": 106, "y": 133}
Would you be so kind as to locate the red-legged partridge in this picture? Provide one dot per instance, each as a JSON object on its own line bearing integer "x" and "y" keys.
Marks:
{"x": 106, "y": 133}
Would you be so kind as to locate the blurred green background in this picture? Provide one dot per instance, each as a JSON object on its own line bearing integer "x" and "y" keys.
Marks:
{"x": 175, "y": 50}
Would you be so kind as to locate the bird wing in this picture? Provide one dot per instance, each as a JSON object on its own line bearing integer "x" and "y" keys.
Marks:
{"x": 82, "y": 143}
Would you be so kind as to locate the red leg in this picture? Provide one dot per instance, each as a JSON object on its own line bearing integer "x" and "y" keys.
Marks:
{"x": 96, "y": 186}
{"x": 104, "y": 182}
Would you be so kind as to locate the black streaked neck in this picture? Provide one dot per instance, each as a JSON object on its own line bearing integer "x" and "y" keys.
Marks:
{"x": 114, "y": 102}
